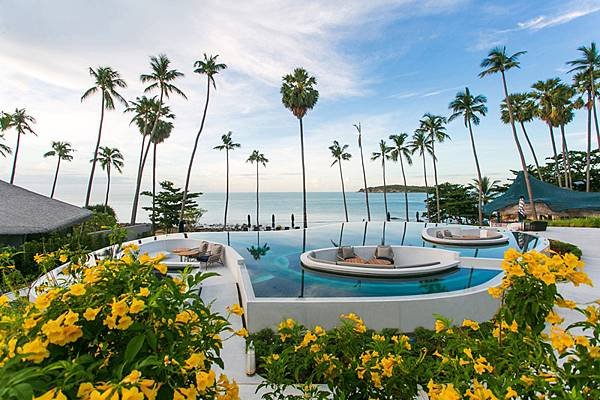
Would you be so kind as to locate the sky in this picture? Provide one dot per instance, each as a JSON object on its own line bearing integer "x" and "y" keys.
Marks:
{"x": 382, "y": 63}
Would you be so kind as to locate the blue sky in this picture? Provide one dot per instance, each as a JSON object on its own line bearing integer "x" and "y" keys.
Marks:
{"x": 383, "y": 63}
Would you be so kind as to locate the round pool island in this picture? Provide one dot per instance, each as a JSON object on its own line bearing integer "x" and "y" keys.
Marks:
{"x": 464, "y": 236}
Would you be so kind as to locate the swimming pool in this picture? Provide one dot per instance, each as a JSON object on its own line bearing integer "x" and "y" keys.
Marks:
{"x": 272, "y": 259}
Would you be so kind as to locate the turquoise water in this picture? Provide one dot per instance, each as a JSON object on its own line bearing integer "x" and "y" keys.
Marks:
{"x": 273, "y": 260}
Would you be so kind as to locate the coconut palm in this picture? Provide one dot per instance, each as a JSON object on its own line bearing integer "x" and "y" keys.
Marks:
{"x": 383, "y": 154}
{"x": 340, "y": 154}
{"x": 109, "y": 158}
{"x": 401, "y": 151}
{"x": 228, "y": 144}
{"x": 144, "y": 110}
{"x": 4, "y": 124}
{"x": 583, "y": 86}
{"x": 543, "y": 93}
{"x": 524, "y": 110}
{"x": 21, "y": 122}
{"x": 209, "y": 67}
{"x": 433, "y": 125}
{"x": 4, "y": 149}
{"x": 362, "y": 161}
{"x": 161, "y": 133}
{"x": 471, "y": 108}
{"x": 563, "y": 113}
{"x": 106, "y": 81}
{"x": 298, "y": 94}
{"x": 487, "y": 188}
{"x": 62, "y": 151}
{"x": 498, "y": 61}
{"x": 421, "y": 142}
{"x": 258, "y": 158}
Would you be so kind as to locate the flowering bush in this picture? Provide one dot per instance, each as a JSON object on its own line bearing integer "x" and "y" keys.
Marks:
{"x": 121, "y": 329}
{"x": 524, "y": 353}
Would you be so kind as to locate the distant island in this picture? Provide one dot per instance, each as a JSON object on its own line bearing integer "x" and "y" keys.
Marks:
{"x": 397, "y": 189}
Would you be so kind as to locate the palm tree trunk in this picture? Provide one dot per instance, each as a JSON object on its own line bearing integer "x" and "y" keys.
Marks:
{"x": 589, "y": 142}
{"x": 556, "y": 170}
{"x": 426, "y": 186}
{"x": 226, "y": 189}
{"x": 479, "y": 178}
{"x": 437, "y": 192}
{"x": 89, "y": 188}
{"x": 189, "y": 171}
{"x": 343, "y": 190}
{"x": 519, "y": 149}
{"x": 303, "y": 174}
{"x": 55, "y": 178}
{"x": 596, "y": 124}
{"x": 362, "y": 160}
{"x": 405, "y": 189}
{"x": 566, "y": 158}
{"x": 14, "y": 168}
{"x": 154, "y": 188}
{"x": 384, "y": 187}
{"x": 257, "y": 210}
{"x": 138, "y": 183}
{"x": 107, "y": 186}
{"x": 535, "y": 160}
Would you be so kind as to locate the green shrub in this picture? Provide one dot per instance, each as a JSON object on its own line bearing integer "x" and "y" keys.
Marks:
{"x": 99, "y": 208}
{"x": 588, "y": 222}
{"x": 564, "y": 248}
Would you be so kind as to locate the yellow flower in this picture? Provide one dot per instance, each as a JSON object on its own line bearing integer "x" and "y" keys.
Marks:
{"x": 110, "y": 321}
{"x": 162, "y": 268}
{"x": 553, "y": 318}
{"x": 34, "y": 350}
{"x": 439, "y": 326}
{"x": 315, "y": 348}
{"x": 205, "y": 380}
{"x": 527, "y": 380}
{"x": 560, "y": 339}
{"x": 144, "y": 292}
{"x": 85, "y": 389}
{"x": 309, "y": 337}
{"x": 52, "y": 394}
{"x": 136, "y": 306}
{"x": 119, "y": 308}
{"x": 124, "y": 322}
{"x": 319, "y": 331}
{"x": 196, "y": 360}
{"x": 594, "y": 352}
{"x": 377, "y": 338}
{"x": 236, "y": 309}
{"x": 448, "y": 393}
{"x": 63, "y": 258}
{"x": 387, "y": 364}
{"x": 495, "y": 292}
{"x": 592, "y": 314}
{"x": 91, "y": 313}
{"x": 242, "y": 332}
{"x": 275, "y": 357}
{"x": 4, "y": 300}
{"x": 566, "y": 303}
{"x": 133, "y": 377}
{"x": 360, "y": 328}
{"x": 510, "y": 393}
{"x": 582, "y": 341}
{"x": 468, "y": 352}
{"x": 131, "y": 394}
{"x": 376, "y": 379}
{"x": 149, "y": 388}
{"x": 471, "y": 324}
{"x": 185, "y": 393}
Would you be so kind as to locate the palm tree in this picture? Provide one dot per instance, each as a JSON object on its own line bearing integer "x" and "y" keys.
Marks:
{"x": 471, "y": 108}
{"x": 543, "y": 93}
{"x": 383, "y": 154}
{"x": 258, "y": 158}
{"x": 4, "y": 149}
{"x": 400, "y": 151}
{"x": 228, "y": 144}
{"x": 487, "y": 188}
{"x": 582, "y": 85}
{"x": 524, "y": 110}
{"x": 362, "y": 161}
{"x": 434, "y": 126}
{"x": 106, "y": 80}
{"x": 4, "y": 124}
{"x": 109, "y": 158}
{"x": 563, "y": 113}
{"x": 298, "y": 94}
{"x": 421, "y": 142}
{"x": 209, "y": 67}
{"x": 498, "y": 61}
{"x": 62, "y": 151}
{"x": 339, "y": 153}
{"x": 21, "y": 121}
{"x": 144, "y": 110}
{"x": 587, "y": 67}
{"x": 161, "y": 133}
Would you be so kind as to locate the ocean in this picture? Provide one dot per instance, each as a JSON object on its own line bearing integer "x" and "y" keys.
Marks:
{"x": 322, "y": 207}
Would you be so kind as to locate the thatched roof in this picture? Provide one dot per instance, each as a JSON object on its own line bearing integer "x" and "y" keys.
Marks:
{"x": 23, "y": 212}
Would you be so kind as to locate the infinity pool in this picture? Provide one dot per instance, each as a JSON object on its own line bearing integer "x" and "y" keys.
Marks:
{"x": 273, "y": 260}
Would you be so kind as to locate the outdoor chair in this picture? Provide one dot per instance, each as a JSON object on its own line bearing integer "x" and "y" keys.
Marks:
{"x": 213, "y": 255}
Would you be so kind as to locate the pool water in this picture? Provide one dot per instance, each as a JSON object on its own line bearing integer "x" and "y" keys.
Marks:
{"x": 273, "y": 260}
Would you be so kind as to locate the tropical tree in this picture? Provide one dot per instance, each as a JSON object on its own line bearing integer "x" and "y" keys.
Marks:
{"x": 433, "y": 125}
{"x": 257, "y": 158}
{"x": 340, "y": 154}
{"x": 498, "y": 61}
{"x": 524, "y": 110}
{"x": 106, "y": 81}
{"x": 4, "y": 123}
{"x": 4, "y": 149}
{"x": 401, "y": 151}
{"x": 298, "y": 94}
{"x": 587, "y": 66}
{"x": 21, "y": 122}
{"x": 421, "y": 143}
{"x": 228, "y": 144}
{"x": 362, "y": 161}
{"x": 109, "y": 158}
{"x": 544, "y": 93}
{"x": 161, "y": 133}
{"x": 62, "y": 151}
{"x": 209, "y": 67}
{"x": 563, "y": 113}
{"x": 486, "y": 189}
{"x": 383, "y": 154}
{"x": 471, "y": 108}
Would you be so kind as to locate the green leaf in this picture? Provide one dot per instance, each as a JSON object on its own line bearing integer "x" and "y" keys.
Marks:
{"x": 133, "y": 347}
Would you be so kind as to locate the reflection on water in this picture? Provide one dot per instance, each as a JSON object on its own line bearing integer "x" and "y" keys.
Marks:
{"x": 273, "y": 260}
